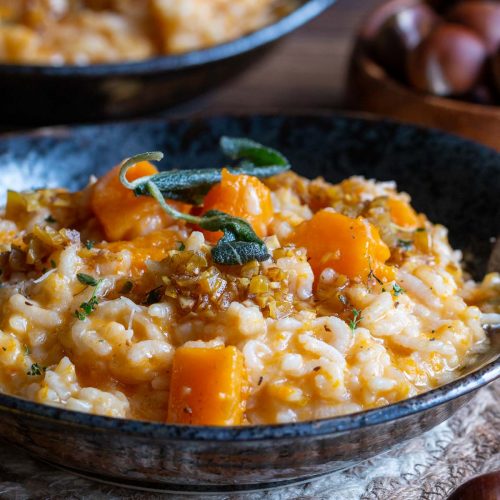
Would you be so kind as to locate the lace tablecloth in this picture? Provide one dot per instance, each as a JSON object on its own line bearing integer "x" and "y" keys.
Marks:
{"x": 428, "y": 467}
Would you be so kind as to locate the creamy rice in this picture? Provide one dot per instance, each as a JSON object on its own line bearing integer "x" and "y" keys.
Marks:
{"x": 313, "y": 345}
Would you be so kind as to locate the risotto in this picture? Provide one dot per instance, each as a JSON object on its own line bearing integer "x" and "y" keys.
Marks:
{"x": 59, "y": 32}
{"x": 243, "y": 295}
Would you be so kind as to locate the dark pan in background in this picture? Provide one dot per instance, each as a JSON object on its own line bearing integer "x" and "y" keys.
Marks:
{"x": 44, "y": 95}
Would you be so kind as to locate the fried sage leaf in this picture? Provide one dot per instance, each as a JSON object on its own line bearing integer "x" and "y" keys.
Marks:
{"x": 239, "y": 243}
{"x": 190, "y": 186}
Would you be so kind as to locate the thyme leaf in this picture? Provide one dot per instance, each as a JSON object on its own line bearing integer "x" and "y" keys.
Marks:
{"x": 36, "y": 370}
{"x": 397, "y": 289}
{"x": 356, "y": 318}
{"x": 86, "y": 279}
{"x": 86, "y": 308}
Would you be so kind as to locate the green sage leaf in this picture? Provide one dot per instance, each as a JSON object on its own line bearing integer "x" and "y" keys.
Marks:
{"x": 190, "y": 186}
{"x": 239, "y": 243}
{"x": 253, "y": 152}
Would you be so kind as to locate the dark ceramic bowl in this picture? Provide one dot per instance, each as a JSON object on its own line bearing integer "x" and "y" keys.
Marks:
{"x": 45, "y": 95}
{"x": 454, "y": 181}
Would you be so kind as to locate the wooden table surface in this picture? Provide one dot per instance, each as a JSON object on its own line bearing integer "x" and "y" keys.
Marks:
{"x": 307, "y": 70}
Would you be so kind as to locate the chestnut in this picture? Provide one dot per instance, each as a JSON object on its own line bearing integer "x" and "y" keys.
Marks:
{"x": 483, "y": 17}
{"x": 449, "y": 62}
{"x": 400, "y": 34}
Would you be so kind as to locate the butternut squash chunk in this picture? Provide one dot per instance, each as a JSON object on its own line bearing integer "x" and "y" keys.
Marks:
{"x": 402, "y": 214}
{"x": 123, "y": 215}
{"x": 208, "y": 386}
{"x": 352, "y": 247}
{"x": 153, "y": 246}
{"x": 243, "y": 196}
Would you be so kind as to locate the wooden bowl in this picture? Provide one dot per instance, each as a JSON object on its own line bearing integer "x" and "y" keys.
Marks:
{"x": 371, "y": 89}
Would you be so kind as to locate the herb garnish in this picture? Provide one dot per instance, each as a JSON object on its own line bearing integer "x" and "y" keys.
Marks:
{"x": 50, "y": 219}
{"x": 86, "y": 279}
{"x": 89, "y": 244}
{"x": 405, "y": 244}
{"x": 397, "y": 289}
{"x": 53, "y": 263}
{"x": 36, "y": 370}
{"x": 27, "y": 350}
{"x": 180, "y": 246}
{"x": 239, "y": 243}
{"x": 190, "y": 186}
{"x": 356, "y": 318}
{"x": 86, "y": 308}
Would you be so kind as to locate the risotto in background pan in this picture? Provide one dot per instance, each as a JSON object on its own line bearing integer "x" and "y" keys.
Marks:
{"x": 242, "y": 295}
{"x": 57, "y": 32}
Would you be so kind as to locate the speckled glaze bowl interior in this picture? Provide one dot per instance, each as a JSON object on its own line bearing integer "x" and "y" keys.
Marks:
{"x": 454, "y": 181}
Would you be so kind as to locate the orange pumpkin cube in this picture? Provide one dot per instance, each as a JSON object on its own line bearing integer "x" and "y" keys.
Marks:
{"x": 153, "y": 246}
{"x": 352, "y": 247}
{"x": 208, "y": 386}
{"x": 402, "y": 213}
{"x": 243, "y": 196}
{"x": 122, "y": 214}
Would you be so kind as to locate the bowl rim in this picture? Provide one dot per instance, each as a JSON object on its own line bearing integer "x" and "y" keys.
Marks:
{"x": 304, "y": 13}
{"x": 455, "y": 389}
{"x": 483, "y": 375}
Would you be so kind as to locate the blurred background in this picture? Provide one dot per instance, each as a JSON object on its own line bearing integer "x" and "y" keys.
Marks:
{"x": 430, "y": 62}
{"x": 307, "y": 70}
{"x": 304, "y": 70}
